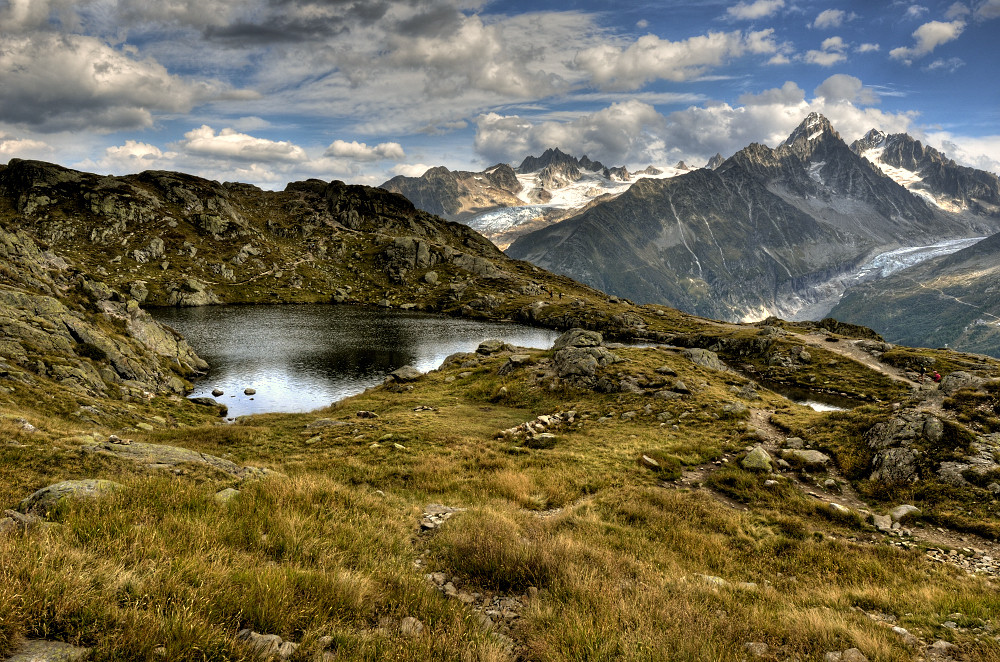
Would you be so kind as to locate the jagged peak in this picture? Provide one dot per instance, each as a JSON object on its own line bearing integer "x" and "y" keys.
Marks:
{"x": 715, "y": 161}
{"x": 814, "y": 126}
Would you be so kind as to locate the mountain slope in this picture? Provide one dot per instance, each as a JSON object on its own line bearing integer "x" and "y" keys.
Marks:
{"x": 953, "y": 301}
{"x": 769, "y": 231}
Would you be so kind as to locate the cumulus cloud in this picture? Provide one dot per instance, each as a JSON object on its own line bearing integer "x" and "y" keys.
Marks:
{"x": 230, "y": 144}
{"x": 55, "y": 83}
{"x": 830, "y": 18}
{"x": 651, "y": 58}
{"x": 757, "y": 9}
{"x": 693, "y": 134}
{"x": 867, "y": 48}
{"x": 621, "y": 132}
{"x": 831, "y": 52}
{"x": 362, "y": 152}
{"x": 23, "y": 148}
{"x": 788, "y": 94}
{"x": 841, "y": 87}
{"x": 928, "y": 37}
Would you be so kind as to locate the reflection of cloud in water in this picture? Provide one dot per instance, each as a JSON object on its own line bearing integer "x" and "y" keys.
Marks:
{"x": 301, "y": 358}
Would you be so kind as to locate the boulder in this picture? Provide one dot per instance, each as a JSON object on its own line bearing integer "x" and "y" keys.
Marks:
{"x": 249, "y": 391}
{"x": 704, "y": 358}
{"x": 757, "y": 460}
{"x": 45, "y": 499}
{"x": 161, "y": 456}
{"x": 903, "y": 513}
{"x": 959, "y": 379}
{"x": 40, "y": 650}
{"x": 578, "y": 338}
{"x": 807, "y": 459}
{"x": 405, "y": 374}
{"x": 488, "y": 347}
{"x": 211, "y": 402}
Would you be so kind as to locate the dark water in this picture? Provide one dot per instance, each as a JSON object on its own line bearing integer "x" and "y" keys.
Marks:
{"x": 300, "y": 358}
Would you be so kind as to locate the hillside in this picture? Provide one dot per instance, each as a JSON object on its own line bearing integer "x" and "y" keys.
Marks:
{"x": 770, "y": 231}
{"x": 590, "y": 501}
{"x": 948, "y": 301}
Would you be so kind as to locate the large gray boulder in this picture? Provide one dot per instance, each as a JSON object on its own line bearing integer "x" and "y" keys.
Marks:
{"x": 704, "y": 358}
{"x": 160, "y": 456}
{"x": 578, "y": 338}
{"x": 44, "y": 500}
{"x": 959, "y": 379}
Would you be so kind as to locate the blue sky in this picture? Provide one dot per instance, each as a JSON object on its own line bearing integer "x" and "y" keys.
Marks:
{"x": 271, "y": 91}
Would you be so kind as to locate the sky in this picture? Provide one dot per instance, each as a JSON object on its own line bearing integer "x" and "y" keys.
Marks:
{"x": 273, "y": 91}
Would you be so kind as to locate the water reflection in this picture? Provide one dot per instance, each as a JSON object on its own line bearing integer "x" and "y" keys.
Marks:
{"x": 300, "y": 358}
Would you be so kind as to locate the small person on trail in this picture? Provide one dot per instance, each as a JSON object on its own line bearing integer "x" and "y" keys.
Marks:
{"x": 923, "y": 369}
{"x": 936, "y": 377}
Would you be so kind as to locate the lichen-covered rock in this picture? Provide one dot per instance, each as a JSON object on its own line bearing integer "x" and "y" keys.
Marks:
{"x": 757, "y": 460}
{"x": 704, "y": 358}
{"x": 45, "y": 499}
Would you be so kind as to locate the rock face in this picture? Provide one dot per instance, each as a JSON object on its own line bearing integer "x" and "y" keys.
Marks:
{"x": 80, "y": 332}
{"x": 766, "y": 232}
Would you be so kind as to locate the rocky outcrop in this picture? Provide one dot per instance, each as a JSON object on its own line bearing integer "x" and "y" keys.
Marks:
{"x": 579, "y": 354}
{"x": 79, "y": 332}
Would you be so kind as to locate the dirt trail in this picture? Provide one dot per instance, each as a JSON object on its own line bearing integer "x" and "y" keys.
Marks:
{"x": 849, "y": 349}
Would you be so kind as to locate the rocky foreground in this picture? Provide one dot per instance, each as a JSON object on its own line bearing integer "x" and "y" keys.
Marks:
{"x": 592, "y": 501}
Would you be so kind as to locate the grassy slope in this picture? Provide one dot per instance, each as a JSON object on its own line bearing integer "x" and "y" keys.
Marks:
{"x": 334, "y": 548}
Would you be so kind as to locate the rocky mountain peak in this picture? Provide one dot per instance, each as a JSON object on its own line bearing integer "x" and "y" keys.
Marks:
{"x": 874, "y": 138}
{"x": 813, "y": 129}
{"x": 553, "y": 156}
{"x": 715, "y": 161}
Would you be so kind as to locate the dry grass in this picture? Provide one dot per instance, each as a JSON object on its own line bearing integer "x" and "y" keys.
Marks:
{"x": 331, "y": 548}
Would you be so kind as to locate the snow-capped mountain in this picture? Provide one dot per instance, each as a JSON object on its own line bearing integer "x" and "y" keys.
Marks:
{"x": 503, "y": 202}
{"x": 779, "y": 231}
{"x": 930, "y": 174}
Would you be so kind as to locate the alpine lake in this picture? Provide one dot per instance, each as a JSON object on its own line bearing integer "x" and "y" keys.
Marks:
{"x": 303, "y": 357}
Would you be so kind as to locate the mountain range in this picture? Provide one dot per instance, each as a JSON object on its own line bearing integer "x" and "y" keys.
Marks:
{"x": 504, "y": 203}
{"x": 781, "y": 231}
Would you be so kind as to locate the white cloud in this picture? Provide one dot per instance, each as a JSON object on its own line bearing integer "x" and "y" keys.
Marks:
{"x": 780, "y": 58}
{"x": 642, "y": 24}
{"x": 230, "y": 144}
{"x": 362, "y": 152}
{"x": 916, "y": 11}
{"x": 957, "y": 10}
{"x": 410, "y": 169}
{"x": 950, "y": 65}
{"x": 651, "y": 58}
{"x": 843, "y": 88}
{"x": 987, "y": 10}
{"x": 757, "y": 9}
{"x": 833, "y": 44}
{"x": 22, "y": 148}
{"x": 928, "y": 37}
{"x": 830, "y": 18}
{"x": 867, "y": 48}
{"x": 619, "y": 133}
{"x": 53, "y": 82}
{"x": 788, "y": 94}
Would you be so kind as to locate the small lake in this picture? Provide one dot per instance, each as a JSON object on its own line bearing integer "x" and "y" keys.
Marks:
{"x": 303, "y": 357}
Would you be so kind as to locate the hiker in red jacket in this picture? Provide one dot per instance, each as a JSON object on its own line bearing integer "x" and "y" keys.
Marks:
{"x": 936, "y": 377}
